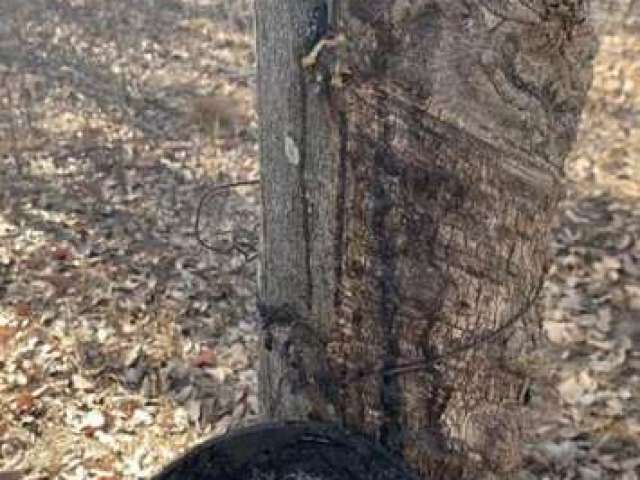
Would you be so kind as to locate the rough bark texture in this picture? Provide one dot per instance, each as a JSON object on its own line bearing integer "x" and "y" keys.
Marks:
{"x": 410, "y": 173}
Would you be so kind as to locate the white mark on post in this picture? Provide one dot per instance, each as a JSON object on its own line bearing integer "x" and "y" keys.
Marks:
{"x": 291, "y": 150}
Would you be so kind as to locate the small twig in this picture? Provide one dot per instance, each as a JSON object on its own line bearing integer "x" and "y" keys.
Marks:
{"x": 312, "y": 58}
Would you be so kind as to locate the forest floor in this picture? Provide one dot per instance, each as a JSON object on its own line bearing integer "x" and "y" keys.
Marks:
{"x": 124, "y": 338}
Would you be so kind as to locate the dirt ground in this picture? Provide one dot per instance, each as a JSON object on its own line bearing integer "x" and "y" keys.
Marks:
{"x": 126, "y": 336}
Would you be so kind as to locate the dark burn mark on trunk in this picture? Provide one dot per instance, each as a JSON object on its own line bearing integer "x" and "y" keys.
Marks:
{"x": 341, "y": 200}
{"x": 382, "y": 205}
{"x": 304, "y": 194}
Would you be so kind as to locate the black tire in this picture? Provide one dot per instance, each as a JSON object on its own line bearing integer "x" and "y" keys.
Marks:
{"x": 288, "y": 451}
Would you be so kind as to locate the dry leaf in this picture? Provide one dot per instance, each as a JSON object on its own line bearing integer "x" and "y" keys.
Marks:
{"x": 23, "y": 309}
{"x": 6, "y": 335}
{"x": 25, "y": 403}
{"x": 563, "y": 333}
{"x": 62, "y": 254}
{"x": 129, "y": 407}
{"x": 142, "y": 417}
{"x": 206, "y": 358}
{"x": 81, "y": 383}
{"x": 576, "y": 387}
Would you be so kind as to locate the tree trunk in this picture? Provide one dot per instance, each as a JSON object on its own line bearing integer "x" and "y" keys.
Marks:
{"x": 411, "y": 161}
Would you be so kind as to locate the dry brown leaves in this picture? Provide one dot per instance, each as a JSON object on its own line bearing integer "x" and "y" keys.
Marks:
{"x": 122, "y": 341}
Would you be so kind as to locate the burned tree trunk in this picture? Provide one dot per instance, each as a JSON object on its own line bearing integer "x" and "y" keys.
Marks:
{"x": 411, "y": 160}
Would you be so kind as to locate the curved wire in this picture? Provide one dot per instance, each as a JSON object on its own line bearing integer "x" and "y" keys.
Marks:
{"x": 217, "y": 190}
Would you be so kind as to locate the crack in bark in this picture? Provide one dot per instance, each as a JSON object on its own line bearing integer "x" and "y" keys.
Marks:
{"x": 385, "y": 257}
{"x": 341, "y": 202}
{"x": 304, "y": 195}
